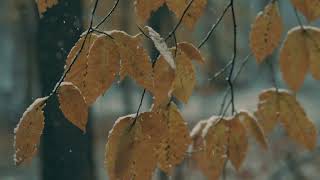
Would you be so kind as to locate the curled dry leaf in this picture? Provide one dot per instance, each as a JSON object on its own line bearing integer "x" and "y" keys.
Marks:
{"x": 164, "y": 77}
{"x": 161, "y": 46}
{"x": 237, "y": 142}
{"x": 144, "y": 8}
{"x": 135, "y": 61}
{"x": 78, "y": 72}
{"x": 309, "y": 8}
{"x": 253, "y": 127}
{"x": 301, "y": 49}
{"x": 73, "y": 105}
{"x": 185, "y": 77}
{"x": 266, "y": 32}
{"x": 175, "y": 143}
{"x": 102, "y": 68}
{"x": 294, "y": 119}
{"x": 130, "y": 150}
{"x": 191, "y": 51}
{"x": 192, "y": 15}
{"x": 44, "y": 5}
{"x": 28, "y": 131}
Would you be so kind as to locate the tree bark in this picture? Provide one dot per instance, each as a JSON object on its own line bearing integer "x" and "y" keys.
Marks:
{"x": 66, "y": 153}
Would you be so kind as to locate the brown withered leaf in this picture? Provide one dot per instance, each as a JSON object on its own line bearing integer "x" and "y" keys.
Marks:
{"x": 78, "y": 71}
{"x": 313, "y": 44}
{"x": 185, "y": 79}
{"x": 44, "y": 5}
{"x": 237, "y": 142}
{"x": 212, "y": 158}
{"x": 191, "y": 51}
{"x": 161, "y": 46}
{"x": 174, "y": 145}
{"x": 192, "y": 15}
{"x": 144, "y": 8}
{"x": 295, "y": 121}
{"x": 253, "y": 127}
{"x": 28, "y": 132}
{"x": 135, "y": 61}
{"x": 266, "y": 32}
{"x": 73, "y": 105}
{"x": 294, "y": 58}
{"x": 309, "y": 8}
{"x": 268, "y": 108}
{"x": 102, "y": 68}
{"x": 164, "y": 77}
{"x": 130, "y": 150}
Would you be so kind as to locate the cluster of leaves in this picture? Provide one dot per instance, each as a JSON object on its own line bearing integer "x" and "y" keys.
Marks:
{"x": 141, "y": 142}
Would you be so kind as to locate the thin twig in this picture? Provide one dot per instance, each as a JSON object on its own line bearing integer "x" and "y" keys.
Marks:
{"x": 298, "y": 19}
{"x": 108, "y": 15}
{"x": 214, "y": 26}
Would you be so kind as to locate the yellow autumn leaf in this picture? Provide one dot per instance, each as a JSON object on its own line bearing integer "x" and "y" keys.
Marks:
{"x": 44, "y": 5}
{"x": 294, "y": 58}
{"x": 214, "y": 154}
{"x": 164, "y": 77}
{"x": 268, "y": 108}
{"x": 174, "y": 145}
{"x": 135, "y": 61}
{"x": 130, "y": 150}
{"x": 309, "y": 8}
{"x": 102, "y": 68}
{"x": 295, "y": 121}
{"x": 28, "y": 132}
{"x": 192, "y": 15}
{"x": 191, "y": 51}
{"x": 253, "y": 127}
{"x": 185, "y": 77}
{"x": 266, "y": 32}
{"x": 78, "y": 71}
{"x": 237, "y": 142}
{"x": 144, "y": 8}
{"x": 313, "y": 44}
{"x": 73, "y": 105}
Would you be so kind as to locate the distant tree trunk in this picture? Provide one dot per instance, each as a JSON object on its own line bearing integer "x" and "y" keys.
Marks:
{"x": 66, "y": 153}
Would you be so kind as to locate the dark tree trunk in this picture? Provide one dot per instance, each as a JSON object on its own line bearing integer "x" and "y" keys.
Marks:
{"x": 66, "y": 153}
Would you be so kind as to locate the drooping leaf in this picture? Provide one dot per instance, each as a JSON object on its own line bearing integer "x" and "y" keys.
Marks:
{"x": 292, "y": 116}
{"x": 28, "y": 131}
{"x": 237, "y": 142}
{"x": 130, "y": 150}
{"x": 300, "y": 50}
{"x": 78, "y": 72}
{"x": 294, "y": 58}
{"x": 268, "y": 108}
{"x": 135, "y": 61}
{"x": 192, "y": 15}
{"x": 266, "y": 32}
{"x": 174, "y": 145}
{"x": 44, "y": 5}
{"x": 309, "y": 8}
{"x": 161, "y": 46}
{"x": 164, "y": 77}
{"x": 73, "y": 105}
{"x": 144, "y": 8}
{"x": 313, "y": 44}
{"x": 295, "y": 121}
{"x": 185, "y": 77}
{"x": 212, "y": 158}
{"x": 253, "y": 127}
{"x": 102, "y": 68}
